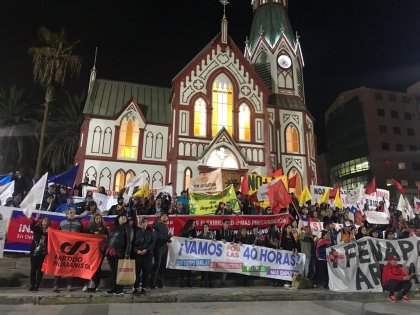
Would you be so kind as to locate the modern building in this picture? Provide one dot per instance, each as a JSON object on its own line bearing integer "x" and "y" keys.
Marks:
{"x": 374, "y": 133}
{"x": 238, "y": 111}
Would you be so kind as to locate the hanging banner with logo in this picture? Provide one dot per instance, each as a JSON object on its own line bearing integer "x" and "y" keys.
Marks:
{"x": 205, "y": 204}
{"x": 19, "y": 234}
{"x": 356, "y": 266}
{"x": 206, "y": 255}
{"x": 207, "y": 182}
{"x": 73, "y": 254}
{"x": 371, "y": 200}
{"x": 255, "y": 181}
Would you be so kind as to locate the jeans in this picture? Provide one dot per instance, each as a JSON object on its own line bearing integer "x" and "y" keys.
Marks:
{"x": 143, "y": 267}
{"x": 159, "y": 255}
{"x": 395, "y": 286}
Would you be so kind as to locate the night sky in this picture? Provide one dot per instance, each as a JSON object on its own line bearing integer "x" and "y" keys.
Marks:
{"x": 346, "y": 44}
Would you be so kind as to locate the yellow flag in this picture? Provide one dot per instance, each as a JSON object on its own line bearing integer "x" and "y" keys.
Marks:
{"x": 143, "y": 192}
{"x": 305, "y": 196}
{"x": 325, "y": 197}
{"x": 337, "y": 199}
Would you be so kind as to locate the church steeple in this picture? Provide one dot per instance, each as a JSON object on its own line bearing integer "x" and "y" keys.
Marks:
{"x": 224, "y": 24}
{"x": 93, "y": 72}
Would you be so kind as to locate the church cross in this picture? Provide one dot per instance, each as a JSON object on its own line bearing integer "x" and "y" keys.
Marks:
{"x": 224, "y": 3}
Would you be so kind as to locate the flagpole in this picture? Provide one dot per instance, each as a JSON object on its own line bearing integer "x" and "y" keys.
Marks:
{"x": 294, "y": 206}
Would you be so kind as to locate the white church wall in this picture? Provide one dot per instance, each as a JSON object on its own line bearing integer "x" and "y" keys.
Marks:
{"x": 100, "y": 138}
{"x": 155, "y": 143}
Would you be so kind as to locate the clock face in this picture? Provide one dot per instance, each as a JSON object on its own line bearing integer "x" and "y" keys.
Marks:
{"x": 284, "y": 61}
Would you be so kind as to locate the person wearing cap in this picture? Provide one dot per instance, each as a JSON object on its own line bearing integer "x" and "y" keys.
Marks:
{"x": 119, "y": 208}
{"x": 395, "y": 279}
{"x": 143, "y": 245}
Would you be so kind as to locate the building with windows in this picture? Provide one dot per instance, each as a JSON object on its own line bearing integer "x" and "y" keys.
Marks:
{"x": 238, "y": 111}
{"x": 371, "y": 133}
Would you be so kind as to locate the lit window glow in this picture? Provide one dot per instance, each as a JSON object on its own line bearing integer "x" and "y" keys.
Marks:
{"x": 129, "y": 137}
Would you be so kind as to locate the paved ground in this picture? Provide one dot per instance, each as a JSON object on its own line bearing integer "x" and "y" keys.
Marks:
{"x": 225, "y": 308}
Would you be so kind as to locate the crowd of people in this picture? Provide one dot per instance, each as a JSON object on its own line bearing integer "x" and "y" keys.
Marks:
{"x": 147, "y": 244}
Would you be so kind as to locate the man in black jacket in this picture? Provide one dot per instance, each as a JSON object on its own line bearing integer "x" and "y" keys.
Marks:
{"x": 143, "y": 245}
{"x": 225, "y": 235}
{"x": 160, "y": 252}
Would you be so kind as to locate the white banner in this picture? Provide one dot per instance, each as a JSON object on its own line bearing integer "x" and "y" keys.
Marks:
{"x": 206, "y": 255}
{"x": 371, "y": 200}
{"x": 207, "y": 182}
{"x": 356, "y": 266}
{"x": 376, "y": 217}
{"x": 3, "y": 227}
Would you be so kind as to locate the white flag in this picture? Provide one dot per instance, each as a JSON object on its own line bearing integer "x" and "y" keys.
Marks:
{"x": 164, "y": 189}
{"x": 356, "y": 195}
{"x": 405, "y": 207}
{"x": 6, "y": 191}
{"x": 133, "y": 182}
{"x": 416, "y": 205}
{"x": 34, "y": 197}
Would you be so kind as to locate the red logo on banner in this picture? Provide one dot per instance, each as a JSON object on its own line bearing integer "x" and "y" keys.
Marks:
{"x": 73, "y": 254}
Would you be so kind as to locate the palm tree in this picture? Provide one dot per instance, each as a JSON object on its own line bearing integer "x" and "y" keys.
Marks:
{"x": 63, "y": 132}
{"x": 53, "y": 62}
{"x": 18, "y": 121}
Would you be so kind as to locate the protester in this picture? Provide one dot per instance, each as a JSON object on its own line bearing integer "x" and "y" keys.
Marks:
{"x": 180, "y": 208}
{"x": 321, "y": 256}
{"x": 255, "y": 237}
{"x": 361, "y": 232}
{"x": 395, "y": 279}
{"x": 306, "y": 247}
{"x": 160, "y": 253}
{"x": 225, "y": 235}
{"x": 21, "y": 186}
{"x": 49, "y": 205}
{"x": 38, "y": 249}
{"x": 79, "y": 187}
{"x": 207, "y": 277}
{"x": 188, "y": 231}
{"x": 220, "y": 209}
{"x": 119, "y": 247}
{"x": 347, "y": 234}
{"x": 70, "y": 224}
{"x": 119, "y": 208}
{"x": 143, "y": 246}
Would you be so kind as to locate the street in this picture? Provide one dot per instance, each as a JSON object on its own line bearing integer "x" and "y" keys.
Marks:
{"x": 244, "y": 308}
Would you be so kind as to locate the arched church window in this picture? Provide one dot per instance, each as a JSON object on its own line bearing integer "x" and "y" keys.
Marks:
{"x": 119, "y": 180}
{"x": 244, "y": 123}
{"x": 292, "y": 139}
{"x": 200, "y": 119}
{"x": 222, "y": 104}
{"x": 129, "y": 137}
{"x": 222, "y": 158}
{"x": 298, "y": 189}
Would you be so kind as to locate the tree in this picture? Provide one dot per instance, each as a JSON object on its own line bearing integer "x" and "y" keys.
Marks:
{"x": 63, "y": 132}
{"x": 18, "y": 136}
{"x": 53, "y": 63}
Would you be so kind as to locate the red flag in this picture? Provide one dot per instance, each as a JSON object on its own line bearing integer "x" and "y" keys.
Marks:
{"x": 277, "y": 173}
{"x": 292, "y": 181}
{"x": 244, "y": 185}
{"x": 72, "y": 254}
{"x": 398, "y": 185}
{"x": 333, "y": 192}
{"x": 278, "y": 196}
{"x": 371, "y": 188}
{"x": 418, "y": 187}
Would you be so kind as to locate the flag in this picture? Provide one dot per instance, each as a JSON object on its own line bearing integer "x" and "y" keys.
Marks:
{"x": 6, "y": 191}
{"x": 278, "y": 196}
{"x": 34, "y": 197}
{"x": 416, "y": 205}
{"x": 164, "y": 189}
{"x": 371, "y": 188}
{"x": 354, "y": 210}
{"x": 418, "y": 187}
{"x": 305, "y": 196}
{"x": 386, "y": 207}
{"x": 277, "y": 173}
{"x": 325, "y": 197}
{"x": 5, "y": 180}
{"x": 133, "y": 182}
{"x": 337, "y": 200}
{"x": 333, "y": 192}
{"x": 398, "y": 185}
{"x": 67, "y": 178}
{"x": 292, "y": 181}
{"x": 244, "y": 185}
{"x": 405, "y": 207}
{"x": 143, "y": 192}
{"x": 72, "y": 254}
{"x": 356, "y": 195}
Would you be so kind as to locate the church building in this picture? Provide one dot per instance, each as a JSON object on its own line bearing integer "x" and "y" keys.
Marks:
{"x": 243, "y": 112}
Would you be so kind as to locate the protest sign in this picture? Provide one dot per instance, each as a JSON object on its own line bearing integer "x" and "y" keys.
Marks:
{"x": 356, "y": 266}
{"x": 207, "y": 182}
{"x": 207, "y": 255}
{"x": 205, "y": 204}
{"x": 255, "y": 181}
{"x": 376, "y": 217}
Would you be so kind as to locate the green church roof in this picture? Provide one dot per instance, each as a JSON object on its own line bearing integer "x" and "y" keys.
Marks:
{"x": 108, "y": 98}
{"x": 271, "y": 18}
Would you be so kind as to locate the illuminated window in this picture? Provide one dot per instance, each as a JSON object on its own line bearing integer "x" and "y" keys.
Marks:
{"x": 222, "y": 158}
{"x": 244, "y": 123}
{"x": 129, "y": 175}
{"x": 292, "y": 139}
{"x": 222, "y": 104}
{"x": 200, "y": 122}
{"x": 129, "y": 137}
{"x": 298, "y": 189}
{"x": 119, "y": 180}
{"x": 187, "y": 178}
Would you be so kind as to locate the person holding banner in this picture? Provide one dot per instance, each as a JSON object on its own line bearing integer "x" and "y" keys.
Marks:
{"x": 395, "y": 279}
{"x": 321, "y": 258}
{"x": 160, "y": 252}
{"x": 38, "y": 249}
{"x": 119, "y": 247}
{"x": 188, "y": 231}
{"x": 207, "y": 277}
{"x": 225, "y": 235}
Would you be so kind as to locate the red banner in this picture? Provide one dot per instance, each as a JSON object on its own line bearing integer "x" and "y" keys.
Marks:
{"x": 73, "y": 254}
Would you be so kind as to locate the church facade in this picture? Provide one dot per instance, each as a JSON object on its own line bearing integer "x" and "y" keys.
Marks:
{"x": 242, "y": 112}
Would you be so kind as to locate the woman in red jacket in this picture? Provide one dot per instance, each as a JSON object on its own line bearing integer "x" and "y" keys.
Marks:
{"x": 394, "y": 279}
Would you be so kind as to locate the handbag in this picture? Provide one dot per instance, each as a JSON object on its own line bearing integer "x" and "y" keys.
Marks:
{"x": 126, "y": 272}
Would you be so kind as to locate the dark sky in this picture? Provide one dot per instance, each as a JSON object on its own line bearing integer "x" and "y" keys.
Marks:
{"x": 346, "y": 43}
